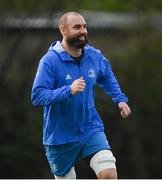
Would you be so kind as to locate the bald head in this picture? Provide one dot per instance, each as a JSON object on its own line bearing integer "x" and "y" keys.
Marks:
{"x": 64, "y": 18}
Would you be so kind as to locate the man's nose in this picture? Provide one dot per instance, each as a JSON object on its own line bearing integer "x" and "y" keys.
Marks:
{"x": 83, "y": 30}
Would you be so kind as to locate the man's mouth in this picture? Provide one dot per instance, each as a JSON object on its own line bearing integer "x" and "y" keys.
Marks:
{"x": 82, "y": 37}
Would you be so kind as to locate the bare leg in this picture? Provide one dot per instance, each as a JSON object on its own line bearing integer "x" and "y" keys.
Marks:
{"x": 109, "y": 173}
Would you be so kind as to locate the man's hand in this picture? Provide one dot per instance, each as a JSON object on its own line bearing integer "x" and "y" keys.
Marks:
{"x": 125, "y": 110}
{"x": 78, "y": 86}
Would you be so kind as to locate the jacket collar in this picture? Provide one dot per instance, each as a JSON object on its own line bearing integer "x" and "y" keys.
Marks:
{"x": 57, "y": 47}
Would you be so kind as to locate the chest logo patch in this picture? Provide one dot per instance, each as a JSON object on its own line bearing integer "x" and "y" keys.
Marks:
{"x": 91, "y": 73}
{"x": 68, "y": 77}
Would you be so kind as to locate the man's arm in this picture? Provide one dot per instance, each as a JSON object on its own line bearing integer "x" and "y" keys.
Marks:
{"x": 43, "y": 90}
{"x": 107, "y": 81}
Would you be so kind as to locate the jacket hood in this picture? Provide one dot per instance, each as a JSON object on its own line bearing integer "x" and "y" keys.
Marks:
{"x": 57, "y": 47}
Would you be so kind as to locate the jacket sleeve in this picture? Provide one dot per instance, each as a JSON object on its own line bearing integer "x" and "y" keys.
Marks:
{"x": 107, "y": 81}
{"x": 43, "y": 90}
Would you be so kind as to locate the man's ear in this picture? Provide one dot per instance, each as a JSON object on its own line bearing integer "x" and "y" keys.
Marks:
{"x": 62, "y": 30}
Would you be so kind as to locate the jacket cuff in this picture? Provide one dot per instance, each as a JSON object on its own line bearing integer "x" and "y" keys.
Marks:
{"x": 68, "y": 88}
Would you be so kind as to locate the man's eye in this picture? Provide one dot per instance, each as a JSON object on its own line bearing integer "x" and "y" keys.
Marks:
{"x": 76, "y": 27}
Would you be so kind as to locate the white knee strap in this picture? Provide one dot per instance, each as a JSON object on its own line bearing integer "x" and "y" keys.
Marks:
{"x": 70, "y": 175}
{"x": 102, "y": 160}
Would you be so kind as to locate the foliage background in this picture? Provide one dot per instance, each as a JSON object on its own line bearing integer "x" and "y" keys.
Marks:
{"x": 136, "y": 59}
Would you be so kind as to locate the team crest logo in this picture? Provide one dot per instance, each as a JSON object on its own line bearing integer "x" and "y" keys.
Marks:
{"x": 91, "y": 73}
{"x": 54, "y": 167}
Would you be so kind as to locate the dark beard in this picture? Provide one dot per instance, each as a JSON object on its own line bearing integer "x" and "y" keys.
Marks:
{"x": 76, "y": 42}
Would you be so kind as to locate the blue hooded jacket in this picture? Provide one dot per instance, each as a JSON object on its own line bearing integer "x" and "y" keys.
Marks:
{"x": 70, "y": 118}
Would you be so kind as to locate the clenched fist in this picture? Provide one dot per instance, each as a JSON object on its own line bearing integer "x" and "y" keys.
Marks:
{"x": 124, "y": 109}
{"x": 78, "y": 86}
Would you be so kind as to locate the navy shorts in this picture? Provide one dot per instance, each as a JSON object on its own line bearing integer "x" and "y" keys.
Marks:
{"x": 62, "y": 158}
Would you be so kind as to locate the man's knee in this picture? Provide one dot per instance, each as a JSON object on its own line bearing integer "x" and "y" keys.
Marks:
{"x": 103, "y": 164}
{"x": 109, "y": 173}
